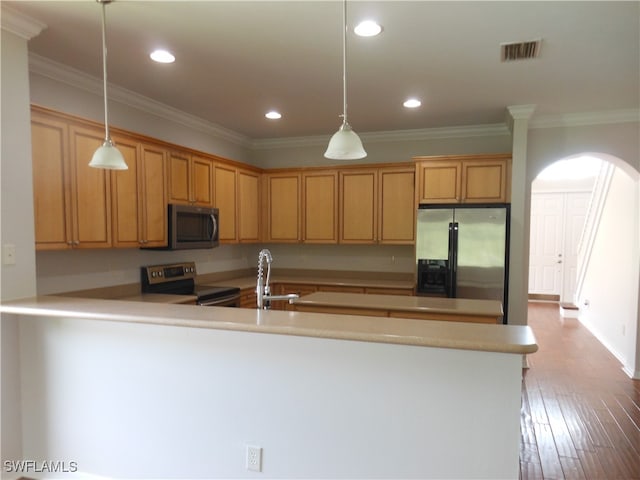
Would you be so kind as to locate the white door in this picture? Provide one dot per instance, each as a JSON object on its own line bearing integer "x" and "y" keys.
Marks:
{"x": 545, "y": 267}
{"x": 576, "y": 206}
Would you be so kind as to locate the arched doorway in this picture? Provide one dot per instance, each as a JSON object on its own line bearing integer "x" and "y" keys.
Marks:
{"x": 606, "y": 276}
{"x": 560, "y": 197}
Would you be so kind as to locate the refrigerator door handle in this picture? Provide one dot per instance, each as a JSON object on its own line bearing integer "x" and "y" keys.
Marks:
{"x": 452, "y": 260}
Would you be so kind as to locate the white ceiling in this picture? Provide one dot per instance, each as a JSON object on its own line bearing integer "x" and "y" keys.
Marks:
{"x": 238, "y": 59}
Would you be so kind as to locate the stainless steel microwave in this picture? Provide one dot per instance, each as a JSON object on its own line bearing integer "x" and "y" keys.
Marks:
{"x": 192, "y": 227}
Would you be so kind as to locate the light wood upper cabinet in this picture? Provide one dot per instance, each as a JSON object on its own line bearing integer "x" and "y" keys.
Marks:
{"x": 51, "y": 183}
{"x": 90, "y": 190}
{"x": 358, "y": 206}
{"x": 320, "y": 207}
{"x": 139, "y": 196}
{"x": 153, "y": 189}
{"x": 377, "y": 205}
{"x": 202, "y": 181}
{"x": 248, "y": 206}
{"x": 463, "y": 179}
{"x": 225, "y": 201}
{"x": 190, "y": 179}
{"x": 126, "y": 203}
{"x": 439, "y": 182}
{"x": 396, "y": 213}
{"x": 77, "y": 206}
{"x": 283, "y": 207}
{"x": 179, "y": 178}
{"x": 237, "y": 194}
{"x": 486, "y": 181}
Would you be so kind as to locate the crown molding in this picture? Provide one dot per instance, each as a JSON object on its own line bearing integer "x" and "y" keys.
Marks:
{"x": 20, "y": 24}
{"x": 607, "y": 117}
{"x": 521, "y": 112}
{"x": 497, "y": 129}
{"x": 75, "y": 78}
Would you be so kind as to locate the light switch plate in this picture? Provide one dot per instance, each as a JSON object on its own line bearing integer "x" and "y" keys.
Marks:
{"x": 8, "y": 254}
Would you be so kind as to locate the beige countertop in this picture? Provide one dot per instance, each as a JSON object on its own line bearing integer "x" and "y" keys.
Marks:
{"x": 461, "y": 306}
{"x": 160, "y": 298}
{"x": 244, "y": 281}
{"x": 464, "y": 336}
{"x": 250, "y": 281}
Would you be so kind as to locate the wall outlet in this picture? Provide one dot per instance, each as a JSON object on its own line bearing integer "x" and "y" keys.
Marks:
{"x": 254, "y": 458}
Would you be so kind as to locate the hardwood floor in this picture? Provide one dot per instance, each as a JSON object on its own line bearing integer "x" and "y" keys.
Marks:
{"x": 580, "y": 414}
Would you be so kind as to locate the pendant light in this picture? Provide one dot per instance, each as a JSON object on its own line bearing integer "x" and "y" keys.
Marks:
{"x": 107, "y": 155}
{"x": 345, "y": 143}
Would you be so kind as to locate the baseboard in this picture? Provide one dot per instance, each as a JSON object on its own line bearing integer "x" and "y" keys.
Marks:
{"x": 545, "y": 297}
{"x": 605, "y": 343}
{"x": 631, "y": 374}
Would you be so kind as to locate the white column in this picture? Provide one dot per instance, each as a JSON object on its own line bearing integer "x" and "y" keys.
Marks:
{"x": 16, "y": 201}
{"x": 518, "y": 121}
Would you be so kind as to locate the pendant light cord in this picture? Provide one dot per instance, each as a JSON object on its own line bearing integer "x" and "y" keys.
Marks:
{"x": 104, "y": 67}
{"x": 344, "y": 63}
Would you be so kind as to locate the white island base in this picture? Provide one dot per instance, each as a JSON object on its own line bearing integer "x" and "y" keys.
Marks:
{"x": 140, "y": 400}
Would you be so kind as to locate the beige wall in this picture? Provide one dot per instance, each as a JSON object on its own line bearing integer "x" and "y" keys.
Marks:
{"x": 384, "y": 149}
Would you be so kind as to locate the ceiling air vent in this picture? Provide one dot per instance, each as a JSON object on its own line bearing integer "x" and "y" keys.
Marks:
{"x": 520, "y": 50}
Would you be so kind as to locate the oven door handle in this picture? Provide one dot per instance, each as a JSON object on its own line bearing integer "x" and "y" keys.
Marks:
{"x": 229, "y": 300}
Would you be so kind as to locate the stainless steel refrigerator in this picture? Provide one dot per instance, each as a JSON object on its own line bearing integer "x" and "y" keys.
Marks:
{"x": 463, "y": 252}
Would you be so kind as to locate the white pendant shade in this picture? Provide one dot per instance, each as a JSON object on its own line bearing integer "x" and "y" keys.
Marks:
{"x": 345, "y": 145}
{"x": 109, "y": 157}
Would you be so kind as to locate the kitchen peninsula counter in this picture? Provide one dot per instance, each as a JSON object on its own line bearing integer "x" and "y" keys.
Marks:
{"x": 426, "y": 308}
{"x": 301, "y": 382}
{"x": 491, "y": 338}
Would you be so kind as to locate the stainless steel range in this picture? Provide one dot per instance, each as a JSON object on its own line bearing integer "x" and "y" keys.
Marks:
{"x": 179, "y": 279}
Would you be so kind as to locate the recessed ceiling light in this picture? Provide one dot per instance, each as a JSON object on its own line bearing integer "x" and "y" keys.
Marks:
{"x": 412, "y": 103}
{"x": 367, "y": 28}
{"x": 273, "y": 115}
{"x": 162, "y": 56}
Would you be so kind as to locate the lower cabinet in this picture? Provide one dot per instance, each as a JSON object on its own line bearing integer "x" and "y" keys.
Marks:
{"x": 447, "y": 317}
{"x": 340, "y": 289}
{"x": 248, "y": 298}
{"x": 389, "y": 291}
{"x": 301, "y": 289}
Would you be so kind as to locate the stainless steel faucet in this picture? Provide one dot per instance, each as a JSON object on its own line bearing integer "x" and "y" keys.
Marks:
{"x": 263, "y": 290}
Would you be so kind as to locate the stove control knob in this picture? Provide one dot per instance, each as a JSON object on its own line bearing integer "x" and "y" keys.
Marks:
{"x": 153, "y": 274}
